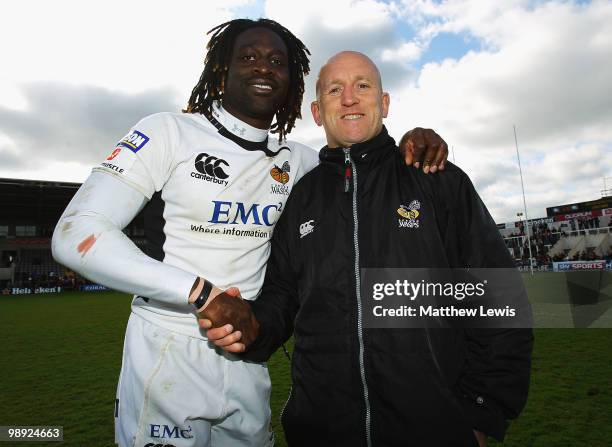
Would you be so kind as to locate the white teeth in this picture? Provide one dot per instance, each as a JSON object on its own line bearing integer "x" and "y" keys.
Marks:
{"x": 266, "y": 87}
{"x": 352, "y": 117}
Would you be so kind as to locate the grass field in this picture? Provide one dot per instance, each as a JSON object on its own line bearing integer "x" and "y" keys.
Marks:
{"x": 61, "y": 354}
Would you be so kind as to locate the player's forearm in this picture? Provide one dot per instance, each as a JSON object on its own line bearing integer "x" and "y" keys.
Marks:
{"x": 103, "y": 254}
{"x": 89, "y": 240}
{"x": 275, "y": 310}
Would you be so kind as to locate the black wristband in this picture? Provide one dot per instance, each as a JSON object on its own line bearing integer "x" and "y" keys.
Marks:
{"x": 201, "y": 300}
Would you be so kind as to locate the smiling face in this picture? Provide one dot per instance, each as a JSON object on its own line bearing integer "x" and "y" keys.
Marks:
{"x": 350, "y": 102}
{"x": 257, "y": 78}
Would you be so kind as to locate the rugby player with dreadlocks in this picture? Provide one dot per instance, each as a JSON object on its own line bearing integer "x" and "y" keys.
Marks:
{"x": 212, "y": 185}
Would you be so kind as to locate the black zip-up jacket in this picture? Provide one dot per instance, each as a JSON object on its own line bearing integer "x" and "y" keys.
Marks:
{"x": 384, "y": 387}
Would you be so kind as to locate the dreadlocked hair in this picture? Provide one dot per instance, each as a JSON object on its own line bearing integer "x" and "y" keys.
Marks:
{"x": 211, "y": 85}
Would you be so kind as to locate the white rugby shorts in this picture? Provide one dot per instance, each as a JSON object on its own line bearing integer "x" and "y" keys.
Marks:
{"x": 179, "y": 391}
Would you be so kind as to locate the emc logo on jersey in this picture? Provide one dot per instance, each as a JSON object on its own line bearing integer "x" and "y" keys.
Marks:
{"x": 238, "y": 212}
{"x": 170, "y": 431}
{"x": 210, "y": 169}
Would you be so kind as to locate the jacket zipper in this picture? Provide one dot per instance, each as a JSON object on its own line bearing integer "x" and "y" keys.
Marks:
{"x": 350, "y": 167}
{"x": 282, "y": 413}
{"x": 347, "y": 170}
{"x": 433, "y": 355}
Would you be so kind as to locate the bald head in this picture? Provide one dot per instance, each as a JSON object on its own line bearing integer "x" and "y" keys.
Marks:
{"x": 350, "y": 102}
{"x": 344, "y": 58}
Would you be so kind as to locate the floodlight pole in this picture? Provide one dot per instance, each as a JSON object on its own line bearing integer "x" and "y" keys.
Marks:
{"x": 518, "y": 157}
{"x": 605, "y": 191}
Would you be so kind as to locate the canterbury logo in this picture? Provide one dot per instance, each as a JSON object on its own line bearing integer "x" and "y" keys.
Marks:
{"x": 306, "y": 228}
{"x": 210, "y": 165}
{"x": 281, "y": 175}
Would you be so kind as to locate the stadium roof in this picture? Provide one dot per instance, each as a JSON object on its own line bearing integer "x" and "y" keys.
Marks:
{"x": 33, "y": 201}
{"x": 592, "y": 205}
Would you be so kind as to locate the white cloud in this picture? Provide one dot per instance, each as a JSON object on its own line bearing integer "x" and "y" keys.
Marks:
{"x": 409, "y": 51}
{"x": 71, "y": 124}
{"x": 113, "y": 62}
{"x": 545, "y": 68}
{"x": 129, "y": 46}
{"x": 351, "y": 16}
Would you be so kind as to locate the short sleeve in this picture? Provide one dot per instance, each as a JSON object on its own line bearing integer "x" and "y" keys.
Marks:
{"x": 144, "y": 157}
{"x": 308, "y": 159}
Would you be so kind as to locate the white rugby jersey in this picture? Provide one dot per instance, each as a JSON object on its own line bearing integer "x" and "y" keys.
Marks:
{"x": 216, "y": 187}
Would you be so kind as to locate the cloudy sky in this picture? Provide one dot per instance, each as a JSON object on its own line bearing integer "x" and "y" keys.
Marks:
{"x": 77, "y": 75}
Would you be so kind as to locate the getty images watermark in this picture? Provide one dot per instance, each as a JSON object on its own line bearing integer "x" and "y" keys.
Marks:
{"x": 461, "y": 298}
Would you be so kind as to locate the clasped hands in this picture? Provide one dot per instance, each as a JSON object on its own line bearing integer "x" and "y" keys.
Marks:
{"x": 229, "y": 321}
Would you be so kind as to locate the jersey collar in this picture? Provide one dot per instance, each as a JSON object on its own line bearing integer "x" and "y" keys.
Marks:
{"x": 237, "y": 127}
{"x": 231, "y": 128}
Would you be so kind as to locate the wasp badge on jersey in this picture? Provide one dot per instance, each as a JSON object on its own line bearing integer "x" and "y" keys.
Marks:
{"x": 281, "y": 176}
{"x": 410, "y": 215}
{"x": 134, "y": 141}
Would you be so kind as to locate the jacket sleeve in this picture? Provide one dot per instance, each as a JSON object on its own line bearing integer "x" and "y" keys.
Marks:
{"x": 494, "y": 382}
{"x": 277, "y": 305}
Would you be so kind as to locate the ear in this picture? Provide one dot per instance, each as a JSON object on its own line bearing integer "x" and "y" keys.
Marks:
{"x": 386, "y": 100}
{"x": 316, "y": 113}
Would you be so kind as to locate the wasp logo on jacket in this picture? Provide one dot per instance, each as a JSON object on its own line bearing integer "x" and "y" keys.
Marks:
{"x": 281, "y": 176}
{"x": 410, "y": 215}
{"x": 210, "y": 169}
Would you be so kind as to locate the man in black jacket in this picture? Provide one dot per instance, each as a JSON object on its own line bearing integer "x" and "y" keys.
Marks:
{"x": 357, "y": 386}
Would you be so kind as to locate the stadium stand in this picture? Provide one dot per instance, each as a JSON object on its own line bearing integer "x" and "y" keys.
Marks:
{"x": 574, "y": 232}
{"x": 30, "y": 209}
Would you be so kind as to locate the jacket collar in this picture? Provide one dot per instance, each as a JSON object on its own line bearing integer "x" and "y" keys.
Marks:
{"x": 366, "y": 153}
